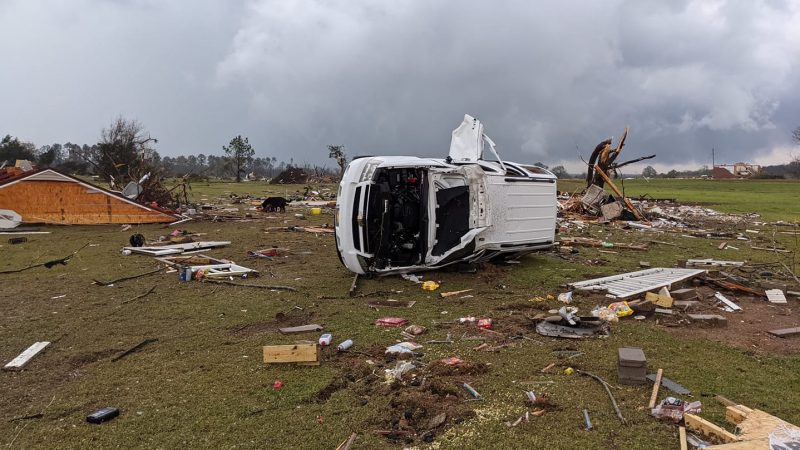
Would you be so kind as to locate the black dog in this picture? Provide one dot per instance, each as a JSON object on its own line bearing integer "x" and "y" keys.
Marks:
{"x": 272, "y": 204}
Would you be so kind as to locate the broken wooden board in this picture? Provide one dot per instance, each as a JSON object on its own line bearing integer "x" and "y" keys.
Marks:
{"x": 663, "y": 301}
{"x": 755, "y": 429}
{"x": 452, "y": 293}
{"x": 25, "y": 357}
{"x": 731, "y": 306}
{"x": 775, "y": 296}
{"x": 733, "y": 286}
{"x": 301, "y": 329}
{"x": 707, "y": 428}
{"x": 785, "y": 332}
{"x": 307, "y": 354}
{"x": 669, "y": 384}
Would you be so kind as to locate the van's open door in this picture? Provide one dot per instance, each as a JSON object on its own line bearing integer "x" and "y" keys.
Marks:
{"x": 467, "y": 142}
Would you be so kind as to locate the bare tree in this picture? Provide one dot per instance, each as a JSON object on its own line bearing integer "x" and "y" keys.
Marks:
{"x": 796, "y": 135}
{"x": 336, "y": 152}
{"x": 124, "y": 153}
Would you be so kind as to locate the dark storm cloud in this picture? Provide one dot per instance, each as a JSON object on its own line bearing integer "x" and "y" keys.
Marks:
{"x": 396, "y": 77}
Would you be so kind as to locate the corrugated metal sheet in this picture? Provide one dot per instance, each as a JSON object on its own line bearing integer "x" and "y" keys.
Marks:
{"x": 629, "y": 284}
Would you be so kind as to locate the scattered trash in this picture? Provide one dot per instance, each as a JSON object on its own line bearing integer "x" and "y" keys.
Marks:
{"x": 451, "y": 361}
{"x": 472, "y": 392}
{"x": 103, "y": 415}
{"x": 277, "y": 384}
{"x": 403, "y": 347}
{"x": 391, "y": 322}
{"x": 485, "y": 324}
{"x": 673, "y": 409}
{"x": 325, "y": 339}
{"x": 569, "y": 371}
{"x": 430, "y": 285}
{"x": 400, "y": 369}
{"x": 565, "y": 297}
{"x": 411, "y": 277}
{"x": 586, "y": 419}
{"x": 621, "y": 309}
{"x": 345, "y": 345}
{"x": 415, "y": 330}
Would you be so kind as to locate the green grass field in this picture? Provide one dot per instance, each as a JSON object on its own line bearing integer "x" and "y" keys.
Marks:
{"x": 204, "y": 385}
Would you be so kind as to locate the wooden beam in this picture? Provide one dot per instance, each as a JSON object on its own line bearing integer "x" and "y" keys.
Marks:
{"x": 735, "y": 414}
{"x": 708, "y": 429}
{"x": 654, "y": 395}
{"x": 618, "y": 192}
{"x": 682, "y": 436}
{"x": 300, "y": 353}
{"x": 24, "y": 358}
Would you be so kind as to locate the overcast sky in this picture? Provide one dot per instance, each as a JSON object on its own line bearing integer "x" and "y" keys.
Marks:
{"x": 549, "y": 79}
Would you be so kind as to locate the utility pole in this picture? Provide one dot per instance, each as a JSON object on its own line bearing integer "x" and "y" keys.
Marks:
{"x": 712, "y": 158}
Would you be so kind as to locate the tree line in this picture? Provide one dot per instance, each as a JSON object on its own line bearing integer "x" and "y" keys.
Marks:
{"x": 126, "y": 152}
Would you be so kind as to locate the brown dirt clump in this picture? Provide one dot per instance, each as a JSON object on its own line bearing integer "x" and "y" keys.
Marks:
{"x": 421, "y": 414}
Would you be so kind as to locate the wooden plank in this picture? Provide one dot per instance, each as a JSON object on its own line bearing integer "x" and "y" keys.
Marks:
{"x": 785, "y": 332}
{"x": 299, "y": 353}
{"x": 25, "y": 357}
{"x": 301, "y": 329}
{"x": 724, "y": 400}
{"x": 736, "y": 413}
{"x": 682, "y": 437}
{"x": 708, "y": 429}
{"x": 656, "y": 385}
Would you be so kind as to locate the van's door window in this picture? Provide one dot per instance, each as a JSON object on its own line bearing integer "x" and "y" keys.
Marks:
{"x": 452, "y": 218}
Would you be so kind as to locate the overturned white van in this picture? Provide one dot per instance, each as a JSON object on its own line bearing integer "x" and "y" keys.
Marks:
{"x": 399, "y": 214}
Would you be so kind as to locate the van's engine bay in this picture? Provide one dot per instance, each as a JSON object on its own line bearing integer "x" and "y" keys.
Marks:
{"x": 397, "y": 217}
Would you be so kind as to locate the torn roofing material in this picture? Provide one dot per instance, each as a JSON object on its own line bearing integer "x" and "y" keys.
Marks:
{"x": 633, "y": 283}
{"x": 49, "y": 196}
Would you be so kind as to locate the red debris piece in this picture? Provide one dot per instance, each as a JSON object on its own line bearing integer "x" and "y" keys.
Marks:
{"x": 391, "y": 322}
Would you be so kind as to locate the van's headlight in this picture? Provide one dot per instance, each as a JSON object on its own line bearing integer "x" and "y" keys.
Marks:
{"x": 369, "y": 171}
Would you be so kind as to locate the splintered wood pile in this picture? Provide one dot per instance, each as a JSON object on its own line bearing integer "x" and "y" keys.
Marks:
{"x": 602, "y": 166}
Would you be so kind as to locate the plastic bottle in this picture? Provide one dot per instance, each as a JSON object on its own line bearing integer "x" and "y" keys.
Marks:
{"x": 345, "y": 345}
{"x": 325, "y": 339}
